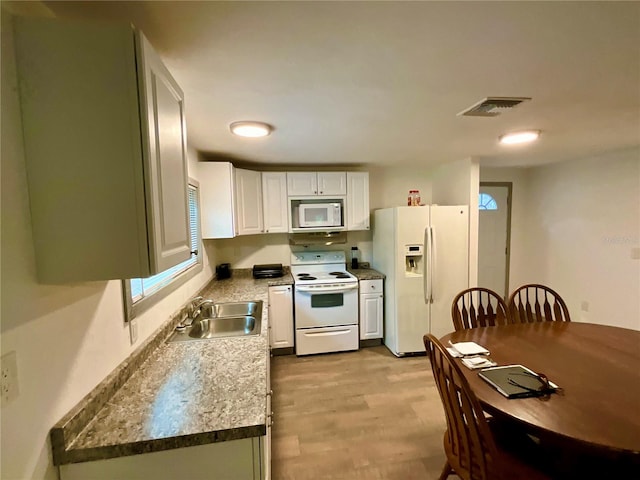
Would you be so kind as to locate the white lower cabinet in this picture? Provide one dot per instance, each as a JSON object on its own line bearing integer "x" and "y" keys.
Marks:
{"x": 281, "y": 316}
{"x": 231, "y": 460}
{"x": 371, "y": 309}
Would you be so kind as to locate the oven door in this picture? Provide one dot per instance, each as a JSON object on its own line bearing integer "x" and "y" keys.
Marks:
{"x": 326, "y": 305}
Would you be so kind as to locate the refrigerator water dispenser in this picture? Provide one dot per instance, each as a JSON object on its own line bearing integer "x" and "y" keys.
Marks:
{"x": 413, "y": 260}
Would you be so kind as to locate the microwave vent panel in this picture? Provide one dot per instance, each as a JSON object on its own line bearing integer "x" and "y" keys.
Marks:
{"x": 492, "y": 106}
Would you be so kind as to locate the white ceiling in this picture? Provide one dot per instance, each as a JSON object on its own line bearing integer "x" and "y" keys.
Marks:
{"x": 380, "y": 83}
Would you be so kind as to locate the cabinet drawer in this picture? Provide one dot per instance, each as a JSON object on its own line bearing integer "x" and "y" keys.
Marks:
{"x": 371, "y": 286}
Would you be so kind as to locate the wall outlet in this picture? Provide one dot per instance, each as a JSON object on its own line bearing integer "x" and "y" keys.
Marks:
{"x": 584, "y": 306}
{"x": 635, "y": 253}
{"x": 9, "y": 378}
{"x": 133, "y": 330}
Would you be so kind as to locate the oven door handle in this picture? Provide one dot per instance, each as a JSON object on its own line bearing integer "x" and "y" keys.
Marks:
{"x": 310, "y": 289}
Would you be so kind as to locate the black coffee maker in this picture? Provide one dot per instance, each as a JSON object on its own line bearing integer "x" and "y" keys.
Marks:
{"x": 223, "y": 271}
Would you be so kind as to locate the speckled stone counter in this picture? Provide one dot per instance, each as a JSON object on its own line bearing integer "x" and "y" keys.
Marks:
{"x": 184, "y": 394}
{"x": 366, "y": 273}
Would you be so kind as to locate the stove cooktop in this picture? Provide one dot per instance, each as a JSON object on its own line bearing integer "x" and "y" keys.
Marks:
{"x": 320, "y": 267}
{"x": 312, "y": 276}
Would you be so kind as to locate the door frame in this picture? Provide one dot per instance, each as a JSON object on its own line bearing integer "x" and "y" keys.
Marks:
{"x": 507, "y": 267}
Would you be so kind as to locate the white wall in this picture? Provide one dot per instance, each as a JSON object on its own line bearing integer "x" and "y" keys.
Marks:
{"x": 583, "y": 229}
{"x": 248, "y": 250}
{"x": 66, "y": 338}
{"x": 389, "y": 187}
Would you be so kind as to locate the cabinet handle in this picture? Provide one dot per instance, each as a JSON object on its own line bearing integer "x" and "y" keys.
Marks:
{"x": 321, "y": 192}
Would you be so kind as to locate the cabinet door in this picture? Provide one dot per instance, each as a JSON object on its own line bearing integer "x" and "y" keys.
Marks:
{"x": 358, "y": 201}
{"x": 231, "y": 459}
{"x": 248, "y": 202}
{"x": 274, "y": 202}
{"x": 371, "y": 315}
{"x": 166, "y": 161}
{"x": 302, "y": 183}
{"x": 281, "y": 316}
{"x": 217, "y": 199}
{"x": 104, "y": 143}
{"x": 332, "y": 183}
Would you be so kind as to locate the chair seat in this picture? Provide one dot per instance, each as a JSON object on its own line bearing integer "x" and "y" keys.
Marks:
{"x": 518, "y": 453}
{"x": 518, "y": 456}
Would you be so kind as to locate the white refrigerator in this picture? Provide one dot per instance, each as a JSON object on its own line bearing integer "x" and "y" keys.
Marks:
{"x": 424, "y": 253}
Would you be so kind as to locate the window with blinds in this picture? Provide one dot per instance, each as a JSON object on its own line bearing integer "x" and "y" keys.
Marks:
{"x": 141, "y": 293}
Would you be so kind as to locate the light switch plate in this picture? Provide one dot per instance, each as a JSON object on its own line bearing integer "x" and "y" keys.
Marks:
{"x": 9, "y": 378}
{"x": 133, "y": 330}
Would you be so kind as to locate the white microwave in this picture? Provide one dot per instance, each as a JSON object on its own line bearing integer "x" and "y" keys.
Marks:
{"x": 320, "y": 215}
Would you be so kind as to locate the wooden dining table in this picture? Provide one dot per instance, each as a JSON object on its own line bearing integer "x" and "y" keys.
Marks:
{"x": 596, "y": 366}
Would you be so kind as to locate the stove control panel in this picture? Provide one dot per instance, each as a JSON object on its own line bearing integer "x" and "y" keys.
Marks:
{"x": 317, "y": 258}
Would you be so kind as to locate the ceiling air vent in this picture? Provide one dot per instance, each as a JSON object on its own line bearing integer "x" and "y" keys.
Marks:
{"x": 492, "y": 106}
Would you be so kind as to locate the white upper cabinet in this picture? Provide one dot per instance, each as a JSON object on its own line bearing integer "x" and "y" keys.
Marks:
{"x": 105, "y": 149}
{"x": 248, "y": 202}
{"x": 332, "y": 183}
{"x": 358, "y": 201}
{"x": 217, "y": 199}
{"x": 274, "y": 202}
{"x": 302, "y": 183}
{"x": 316, "y": 183}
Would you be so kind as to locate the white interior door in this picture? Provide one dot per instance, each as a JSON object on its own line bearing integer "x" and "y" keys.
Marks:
{"x": 493, "y": 235}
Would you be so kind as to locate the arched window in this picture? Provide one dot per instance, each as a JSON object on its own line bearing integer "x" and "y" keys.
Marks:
{"x": 486, "y": 202}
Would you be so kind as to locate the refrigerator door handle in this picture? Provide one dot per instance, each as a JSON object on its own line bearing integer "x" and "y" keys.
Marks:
{"x": 433, "y": 255}
{"x": 426, "y": 273}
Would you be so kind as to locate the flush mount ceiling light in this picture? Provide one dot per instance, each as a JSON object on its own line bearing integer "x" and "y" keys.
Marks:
{"x": 250, "y": 129}
{"x": 519, "y": 137}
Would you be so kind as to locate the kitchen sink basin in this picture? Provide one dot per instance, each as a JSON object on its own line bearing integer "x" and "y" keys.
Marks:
{"x": 233, "y": 319}
{"x": 237, "y": 309}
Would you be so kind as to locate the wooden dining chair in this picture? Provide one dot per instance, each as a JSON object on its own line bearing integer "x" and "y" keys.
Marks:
{"x": 471, "y": 440}
{"x": 537, "y": 303}
{"x": 478, "y": 307}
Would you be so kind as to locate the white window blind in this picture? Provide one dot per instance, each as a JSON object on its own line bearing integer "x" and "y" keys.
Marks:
{"x": 141, "y": 289}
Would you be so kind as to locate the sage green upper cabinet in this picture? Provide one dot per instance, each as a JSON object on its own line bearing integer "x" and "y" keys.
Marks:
{"x": 316, "y": 183}
{"x": 105, "y": 149}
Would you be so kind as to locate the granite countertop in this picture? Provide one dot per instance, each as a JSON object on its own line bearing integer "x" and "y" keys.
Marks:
{"x": 185, "y": 393}
{"x": 366, "y": 273}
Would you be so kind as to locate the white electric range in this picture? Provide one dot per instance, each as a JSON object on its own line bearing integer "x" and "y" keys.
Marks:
{"x": 325, "y": 303}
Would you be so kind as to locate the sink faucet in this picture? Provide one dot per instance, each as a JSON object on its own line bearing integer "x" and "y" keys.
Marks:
{"x": 195, "y": 309}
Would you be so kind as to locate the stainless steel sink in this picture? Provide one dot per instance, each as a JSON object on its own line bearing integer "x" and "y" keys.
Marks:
{"x": 233, "y": 319}
{"x": 237, "y": 309}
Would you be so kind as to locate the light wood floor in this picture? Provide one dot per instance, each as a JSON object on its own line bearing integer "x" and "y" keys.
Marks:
{"x": 357, "y": 415}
